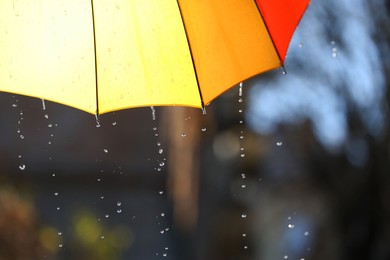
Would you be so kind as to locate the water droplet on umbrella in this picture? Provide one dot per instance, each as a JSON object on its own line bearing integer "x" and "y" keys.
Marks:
{"x": 279, "y": 143}
{"x": 204, "y": 129}
{"x": 285, "y": 257}
{"x": 59, "y": 233}
{"x": 161, "y": 192}
{"x": 162, "y": 164}
{"x": 119, "y": 211}
{"x": 183, "y": 134}
{"x": 119, "y": 203}
{"x": 160, "y": 151}
{"x": 113, "y": 123}
{"x": 43, "y": 105}
{"x": 60, "y": 245}
{"x": 243, "y": 215}
{"x": 22, "y": 167}
{"x": 244, "y": 235}
{"x": 107, "y": 215}
{"x": 105, "y": 150}
{"x": 291, "y": 226}
{"x": 162, "y": 214}
{"x": 56, "y": 193}
{"x": 306, "y": 233}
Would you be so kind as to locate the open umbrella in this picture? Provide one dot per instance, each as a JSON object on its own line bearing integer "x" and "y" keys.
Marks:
{"x": 106, "y": 55}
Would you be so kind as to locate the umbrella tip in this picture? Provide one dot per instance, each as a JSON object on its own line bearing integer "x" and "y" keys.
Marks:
{"x": 284, "y": 69}
{"x": 97, "y": 117}
{"x": 204, "y": 112}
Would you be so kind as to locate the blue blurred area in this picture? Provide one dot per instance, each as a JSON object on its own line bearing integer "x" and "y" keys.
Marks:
{"x": 335, "y": 67}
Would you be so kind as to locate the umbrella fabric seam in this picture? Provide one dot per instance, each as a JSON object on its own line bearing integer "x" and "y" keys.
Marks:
{"x": 95, "y": 58}
{"x": 270, "y": 35}
{"x": 192, "y": 57}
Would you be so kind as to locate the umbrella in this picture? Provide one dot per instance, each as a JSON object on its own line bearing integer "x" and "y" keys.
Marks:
{"x": 105, "y": 55}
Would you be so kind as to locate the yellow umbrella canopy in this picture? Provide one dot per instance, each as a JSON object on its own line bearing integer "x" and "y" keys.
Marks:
{"x": 106, "y": 55}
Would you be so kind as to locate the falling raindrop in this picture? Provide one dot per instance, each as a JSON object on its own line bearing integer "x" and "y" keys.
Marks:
{"x": 43, "y": 105}
{"x": 334, "y": 52}
{"x": 153, "y": 113}
{"x": 97, "y": 120}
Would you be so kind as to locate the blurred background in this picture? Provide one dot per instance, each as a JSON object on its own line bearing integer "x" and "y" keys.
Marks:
{"x": 289, "y": 165}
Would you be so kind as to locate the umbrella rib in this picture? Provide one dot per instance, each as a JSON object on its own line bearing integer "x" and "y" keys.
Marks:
{"x": 95, "y": 58}
{"x": 192, "y": 58}
{"x": 270, "y": 35}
